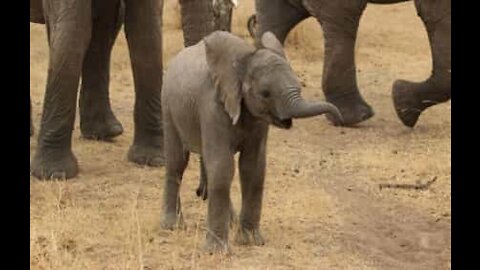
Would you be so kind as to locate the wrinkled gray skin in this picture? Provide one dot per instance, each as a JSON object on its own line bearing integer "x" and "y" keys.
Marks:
{"x": 219, "y": 97}
{"x": 222, "y": 12}
{"x": 97, "y": 120}
{"x": 201, "y": 17}
{"x": 81, "y": 34}
{"x": 339, "y": 21}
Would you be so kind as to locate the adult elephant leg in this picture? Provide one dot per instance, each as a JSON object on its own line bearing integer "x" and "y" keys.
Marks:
{"x": 69, "y": 28}
{"x": 36, "y": 12}
{"x": 339, "y": 21}
{"x": 222, "y": 10}
{"x": 202, "y": 186}
{"x": 278, "y": 17}
{"x": 31, "y": 124}
{"x": 97, "y": 120}
{"x": 197, "y": 20}
{"x": 410, "y": 98}
{"x": 143, "y": 28}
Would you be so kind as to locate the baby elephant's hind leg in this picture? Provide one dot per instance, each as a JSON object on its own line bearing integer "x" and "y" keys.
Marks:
{"x": 177, "y": 160}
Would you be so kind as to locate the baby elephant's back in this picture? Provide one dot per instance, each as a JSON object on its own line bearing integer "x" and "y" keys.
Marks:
{"x": 187, "y": 74}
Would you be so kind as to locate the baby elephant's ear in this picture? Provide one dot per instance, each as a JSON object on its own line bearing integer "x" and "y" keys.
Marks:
{"x": 224, "y": 53}
{"x": 269, "y": 41}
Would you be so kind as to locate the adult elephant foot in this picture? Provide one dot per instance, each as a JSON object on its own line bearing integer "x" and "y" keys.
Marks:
{"x": 411, "y": 99}
{"x": 249, "y": 237}
{"x": 353, "y": 109}
{"x": 54, "y": 165}
{"x": 104, "y": 127}
{"x": 172, "y": 221}
{"x": 407, "y": 105}
{"x": 214, "y": 245}
{"x": 146, "y": 155}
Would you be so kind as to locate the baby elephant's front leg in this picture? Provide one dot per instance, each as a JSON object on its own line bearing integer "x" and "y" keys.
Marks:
{"x": 252, "y": 176}
{"x": 220, "y": 170}
{"x": 202, "y": 192}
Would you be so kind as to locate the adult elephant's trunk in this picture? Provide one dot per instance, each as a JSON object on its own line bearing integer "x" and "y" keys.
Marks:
{"x": 197, "y": 20}
{"x": 294, "y": 106}
{"x": 411, "y": 98}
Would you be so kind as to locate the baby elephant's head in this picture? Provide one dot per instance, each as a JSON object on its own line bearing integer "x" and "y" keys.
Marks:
{"x": 261, "y": 78}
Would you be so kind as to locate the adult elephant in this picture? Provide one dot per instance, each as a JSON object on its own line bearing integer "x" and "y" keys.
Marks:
{"x": 339, "y": 21}
{"x": 222, "y": 12}
{"x": 81, "y": 34}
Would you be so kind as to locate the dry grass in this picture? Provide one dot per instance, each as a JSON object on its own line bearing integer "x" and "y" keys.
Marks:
{"x": 322, "y": 206}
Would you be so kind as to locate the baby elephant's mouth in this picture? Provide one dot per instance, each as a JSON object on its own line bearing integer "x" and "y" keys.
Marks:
{"x": 285, "y": 123}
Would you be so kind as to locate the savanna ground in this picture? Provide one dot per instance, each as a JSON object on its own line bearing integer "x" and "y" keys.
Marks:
{"x": 323, "y": 208}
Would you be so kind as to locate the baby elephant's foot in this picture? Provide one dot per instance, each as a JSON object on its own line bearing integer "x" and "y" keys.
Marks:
{"x": 249, "y": 237}
{"x": 213, "y": 245}
{"x": 172, "y": 222}
{"x": 146, "y": 155}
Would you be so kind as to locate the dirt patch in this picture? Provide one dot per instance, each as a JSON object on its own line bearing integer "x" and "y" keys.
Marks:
{"x": 390, "y": 234}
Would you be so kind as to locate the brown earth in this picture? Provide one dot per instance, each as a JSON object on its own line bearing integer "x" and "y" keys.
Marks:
{"x": 323, "y": 208}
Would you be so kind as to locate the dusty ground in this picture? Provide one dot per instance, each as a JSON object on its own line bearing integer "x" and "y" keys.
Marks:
{"x": 322, "y": 205}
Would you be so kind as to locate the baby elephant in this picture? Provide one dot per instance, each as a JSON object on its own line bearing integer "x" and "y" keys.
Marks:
{"x": 219, "y": 97}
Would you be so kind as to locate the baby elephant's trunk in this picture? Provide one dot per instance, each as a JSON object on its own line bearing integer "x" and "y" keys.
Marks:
{"x": 301, "y": 109}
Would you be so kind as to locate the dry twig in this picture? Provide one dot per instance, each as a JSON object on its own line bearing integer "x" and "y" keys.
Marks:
{"x": 418, "y": 186}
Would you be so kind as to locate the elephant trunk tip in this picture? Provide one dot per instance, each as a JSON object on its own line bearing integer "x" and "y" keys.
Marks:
{"x": 335, "y": 115}
{"x": 303, "y": 109}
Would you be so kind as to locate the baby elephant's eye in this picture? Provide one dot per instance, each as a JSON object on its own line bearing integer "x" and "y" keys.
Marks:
{"x": 265, "y": 93}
